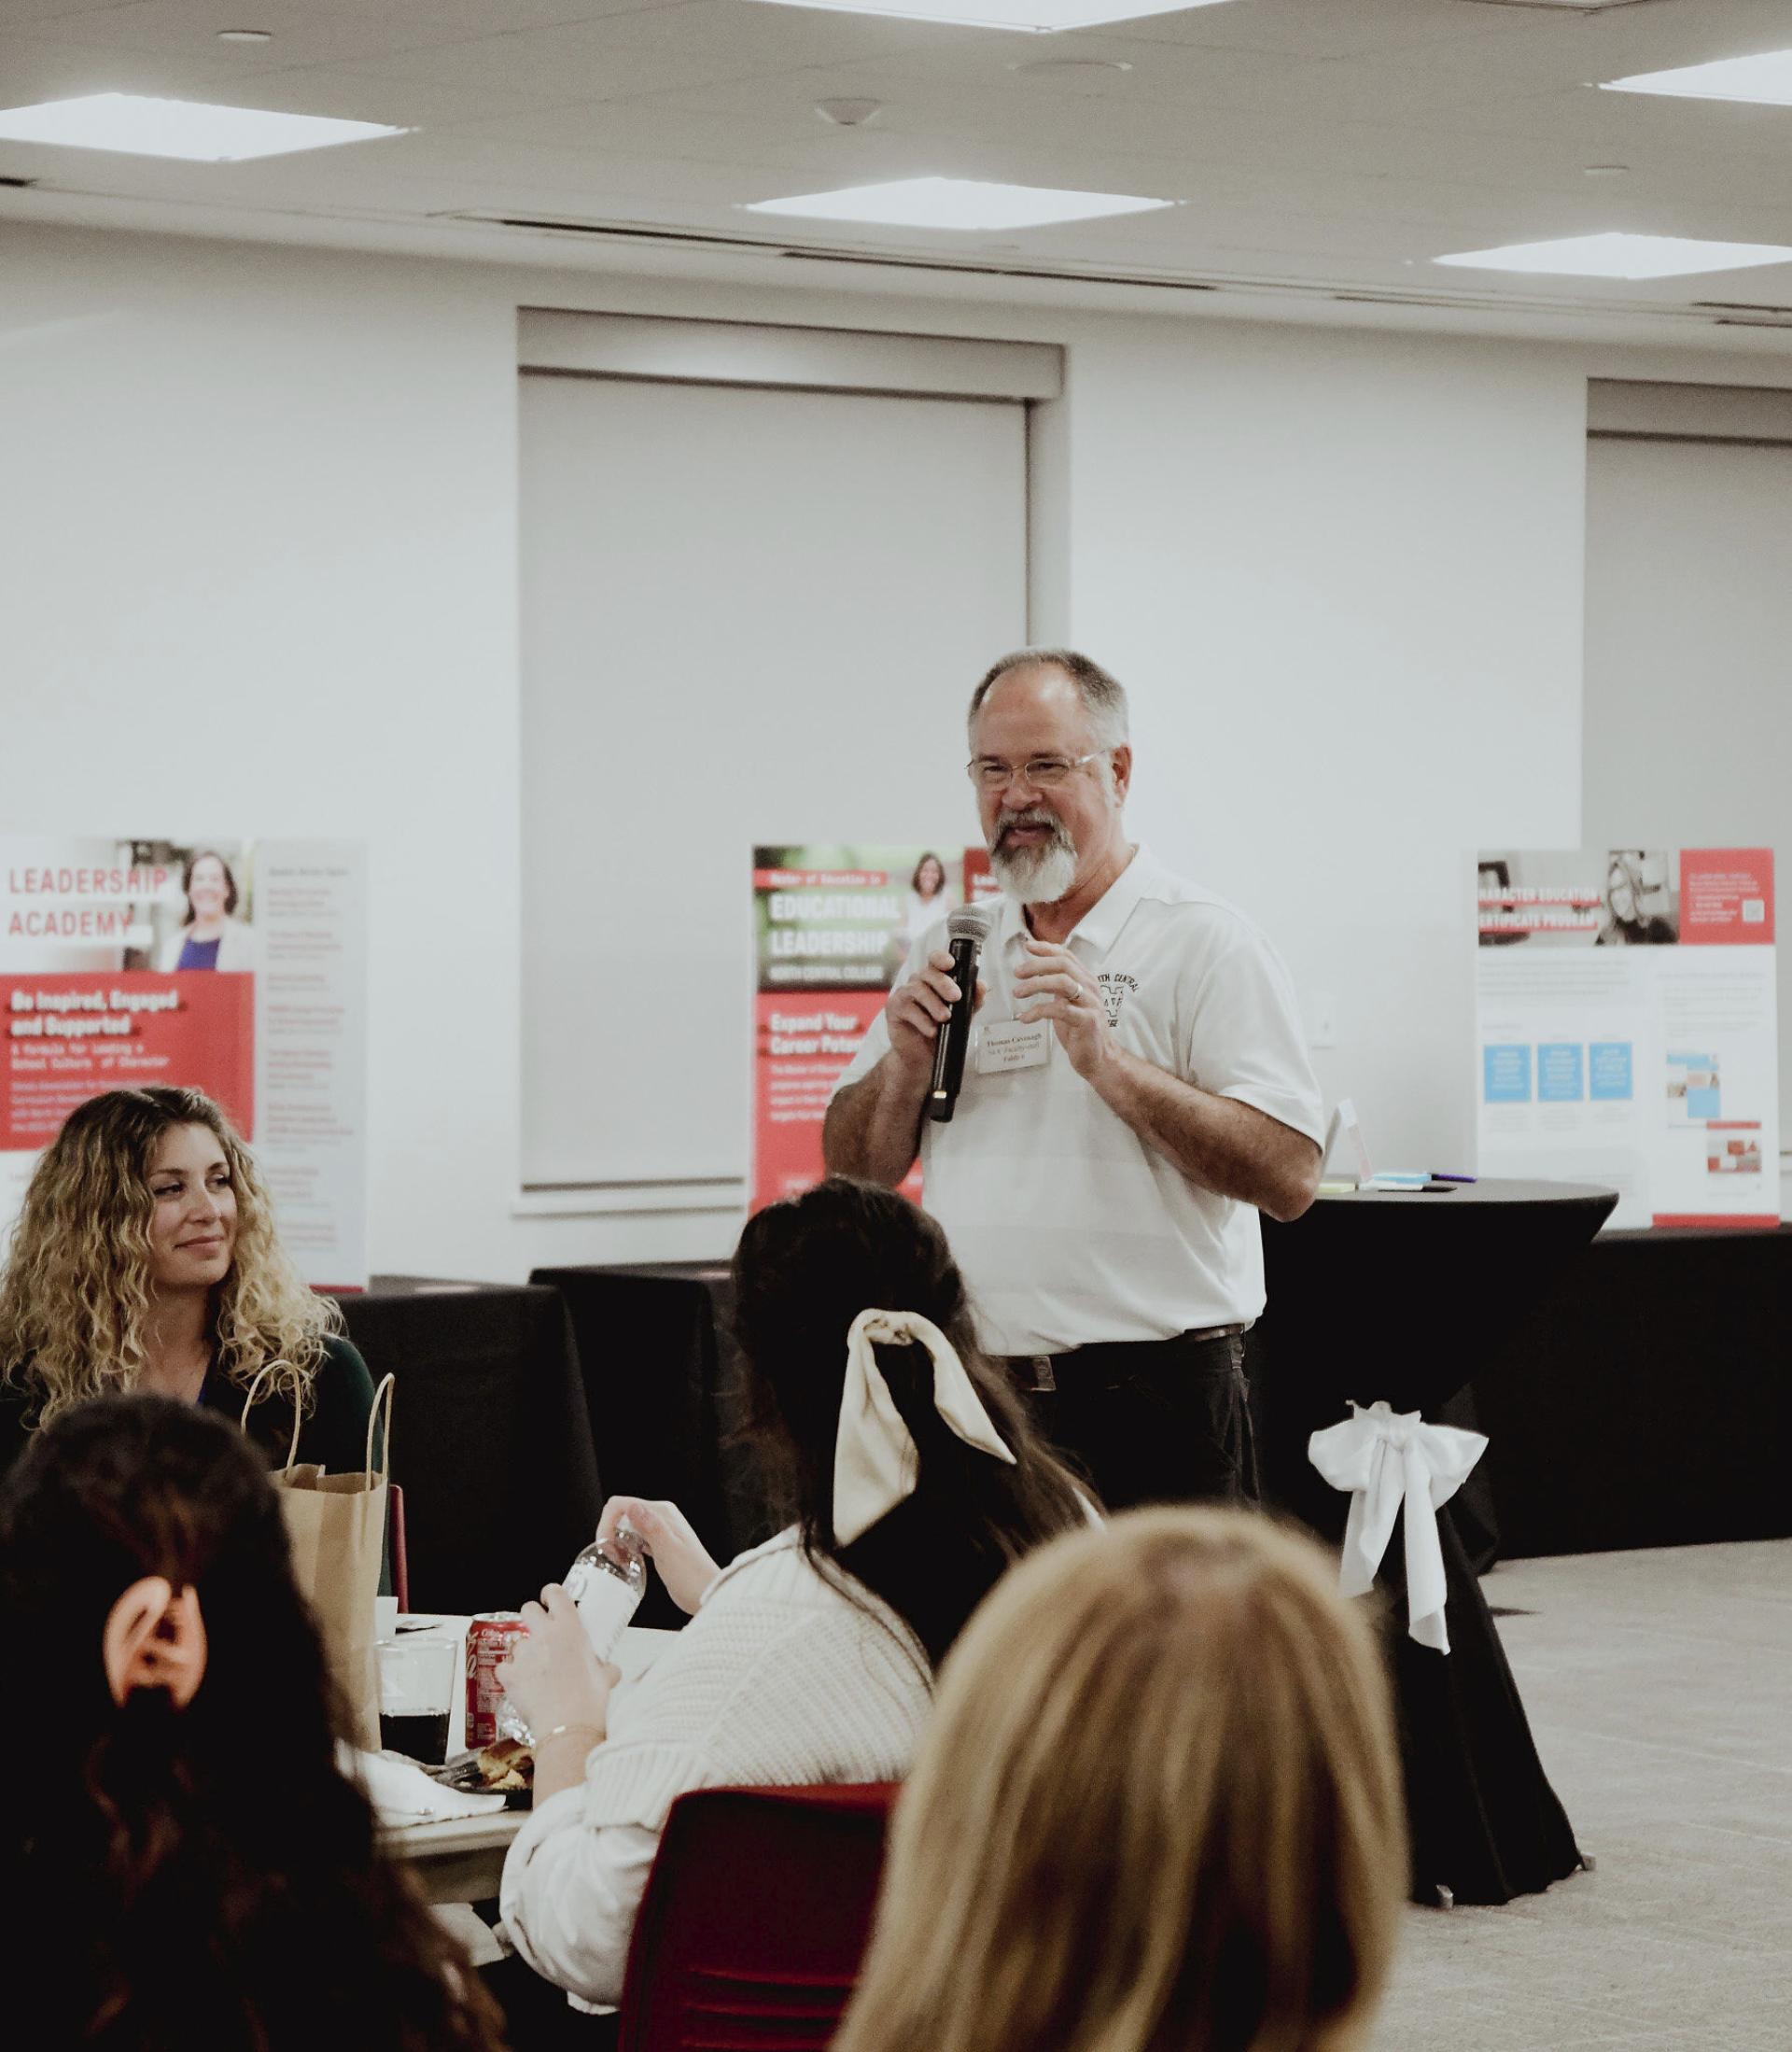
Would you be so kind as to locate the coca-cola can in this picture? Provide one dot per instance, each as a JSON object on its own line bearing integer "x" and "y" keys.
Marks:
{"x": 490, "y": 1638}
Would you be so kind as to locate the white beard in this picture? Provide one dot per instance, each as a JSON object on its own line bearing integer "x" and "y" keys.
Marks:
{"x": 1036, "y": 876}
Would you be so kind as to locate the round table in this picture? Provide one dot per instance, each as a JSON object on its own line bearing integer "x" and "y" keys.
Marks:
{"x": 1406, "y": 1296}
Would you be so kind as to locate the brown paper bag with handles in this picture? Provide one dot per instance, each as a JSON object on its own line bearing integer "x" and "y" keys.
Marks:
{"x": 336, "y": 1525}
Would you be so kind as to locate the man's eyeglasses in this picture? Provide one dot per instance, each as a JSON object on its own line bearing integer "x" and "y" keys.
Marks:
{"x": 990, "y": 773}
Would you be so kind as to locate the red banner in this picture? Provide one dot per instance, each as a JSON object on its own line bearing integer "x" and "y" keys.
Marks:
{"x": 800, "y": 1044}
{"x": 1726, "y": 1221}
{"x": 1727, "y": 897}
{"x": 72, "y": 1036}
{"x": 832, "y": 925}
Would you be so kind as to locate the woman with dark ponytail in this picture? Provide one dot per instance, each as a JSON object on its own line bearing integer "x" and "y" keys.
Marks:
{"x": 183, "y": 1864}
{"x": 909, "y": 1478}
{"x": 800, "y": 1275}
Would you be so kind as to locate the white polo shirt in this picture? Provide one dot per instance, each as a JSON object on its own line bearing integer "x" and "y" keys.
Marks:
{"x": 1069, "y": 1228}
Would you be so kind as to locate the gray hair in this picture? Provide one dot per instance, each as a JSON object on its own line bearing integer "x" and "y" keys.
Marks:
{"x": 1104, "y": 697}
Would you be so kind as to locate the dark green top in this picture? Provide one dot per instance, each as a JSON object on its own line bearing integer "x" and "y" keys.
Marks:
{"x": 333, "y": 1435}
{"x": 334, "y": 1432}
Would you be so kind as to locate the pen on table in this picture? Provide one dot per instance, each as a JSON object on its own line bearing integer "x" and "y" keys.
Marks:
{"x": 1449, "y": 1176}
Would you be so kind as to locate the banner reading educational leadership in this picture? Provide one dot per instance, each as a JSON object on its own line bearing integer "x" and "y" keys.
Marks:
{"x": 1626, "y": 1028}
{"x": 830, "y": 928}
{"x": 234, "y": 967}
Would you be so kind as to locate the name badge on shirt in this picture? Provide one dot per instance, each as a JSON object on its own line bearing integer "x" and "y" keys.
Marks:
{"x": 1008, "y": 1044}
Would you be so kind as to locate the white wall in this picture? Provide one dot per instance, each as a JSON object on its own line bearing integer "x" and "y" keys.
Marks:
{"x": 1689, "y": 619}
{"x": 1344, "y": 569}
{"x": 258, "y": 538}
{"x": 258, "y": 574}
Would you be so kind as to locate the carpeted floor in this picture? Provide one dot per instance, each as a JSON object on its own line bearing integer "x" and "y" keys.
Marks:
{"x": 1659, "y": 1690}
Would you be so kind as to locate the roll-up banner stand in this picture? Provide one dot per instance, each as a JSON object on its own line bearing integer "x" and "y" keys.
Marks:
{"x": 1626, "y": 1031}
{"x": 237, "y": 967}
{"x": 832, "y": 927}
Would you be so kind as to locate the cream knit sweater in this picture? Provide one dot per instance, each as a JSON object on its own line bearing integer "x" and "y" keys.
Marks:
{"x": 779, "y": 1679}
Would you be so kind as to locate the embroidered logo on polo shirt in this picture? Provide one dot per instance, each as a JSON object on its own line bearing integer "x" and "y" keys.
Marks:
{"x": 1114, "y": 991}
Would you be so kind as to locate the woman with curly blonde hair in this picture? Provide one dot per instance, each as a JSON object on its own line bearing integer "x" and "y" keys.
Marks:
{"x": 145, "y": 1259}
{"x": 1158, "y": 1809}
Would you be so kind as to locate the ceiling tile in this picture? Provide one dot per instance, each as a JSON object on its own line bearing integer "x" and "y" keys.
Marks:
{"x": 323, "y": 30}
{"x": 988, "y": 82}
{"x": 20, "y": 14}
{"x": 34, "y": 67}
{"x": 1358, "y": 27}
{"x": 698, "y": 43}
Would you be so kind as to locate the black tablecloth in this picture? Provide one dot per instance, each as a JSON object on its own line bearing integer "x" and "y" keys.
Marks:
{"x": 491, "y": 1441}
{"x": 1416, "y": 1293}
{"x": 1406, "y": 1297}
{"x": 661, "y": 1381}
{"x": 1645, "y": 1400}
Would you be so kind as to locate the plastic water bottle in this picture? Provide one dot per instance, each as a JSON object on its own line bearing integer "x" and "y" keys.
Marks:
{"x": 607, "y": 1583}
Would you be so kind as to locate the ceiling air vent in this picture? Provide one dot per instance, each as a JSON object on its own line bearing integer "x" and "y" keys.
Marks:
{"x": 1744, "y": 313}
{"x": 960, "y": 269}
{"x": 1258, "y": 286}
{"x": 613, "y": 230}
{"x": 769, "y": 246}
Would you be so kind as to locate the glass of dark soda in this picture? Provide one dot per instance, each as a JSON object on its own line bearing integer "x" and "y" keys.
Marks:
{"x": 417, "y": 1676}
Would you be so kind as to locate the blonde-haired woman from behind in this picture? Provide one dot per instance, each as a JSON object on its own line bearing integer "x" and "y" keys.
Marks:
{"x": 1158, "y": 1809}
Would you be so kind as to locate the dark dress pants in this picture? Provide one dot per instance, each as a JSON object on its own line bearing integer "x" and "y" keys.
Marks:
{"x": 1153, "y": 1421}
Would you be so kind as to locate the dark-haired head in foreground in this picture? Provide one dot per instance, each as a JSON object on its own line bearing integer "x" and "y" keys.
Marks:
{"x": 186, "y": 1867}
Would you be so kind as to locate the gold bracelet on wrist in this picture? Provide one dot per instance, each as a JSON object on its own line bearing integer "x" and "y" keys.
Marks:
{"x": 560, "y": 1730}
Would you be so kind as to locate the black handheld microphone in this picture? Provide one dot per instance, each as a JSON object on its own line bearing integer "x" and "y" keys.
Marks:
{"x": 965, "y": 932}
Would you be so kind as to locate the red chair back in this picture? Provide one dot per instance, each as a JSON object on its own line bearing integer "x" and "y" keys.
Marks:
{"x": 755, "y": 1920}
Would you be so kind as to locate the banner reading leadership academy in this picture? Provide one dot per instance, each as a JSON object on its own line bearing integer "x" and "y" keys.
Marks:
{"x": 1626, "y": 1028}
{"x": 234, "y": 967}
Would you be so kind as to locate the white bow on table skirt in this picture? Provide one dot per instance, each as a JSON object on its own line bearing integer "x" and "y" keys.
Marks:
{"x": 1386, "y": 1458}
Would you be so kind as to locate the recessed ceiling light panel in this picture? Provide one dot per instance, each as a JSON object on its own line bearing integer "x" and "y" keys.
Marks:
{"x": 1620, "y": 256}
{"x": 1042, "y": 16}
{"x": 954, "y": 202}
{"x": 189, "y": 129}
{"x": 1765, "y": 80}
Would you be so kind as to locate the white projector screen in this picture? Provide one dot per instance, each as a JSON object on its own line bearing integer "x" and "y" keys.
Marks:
{"x": 748, "y": 616}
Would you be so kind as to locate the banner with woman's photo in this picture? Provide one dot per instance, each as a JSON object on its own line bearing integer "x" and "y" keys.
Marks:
{"x": 1626, "y": 1031}
{"x": 832, "y": 925}
{"x": 231, "y": 967}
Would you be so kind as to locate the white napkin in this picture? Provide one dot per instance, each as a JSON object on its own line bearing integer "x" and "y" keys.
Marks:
{"x": 401, "y": 1794}
{"x": 1386, "y": 1458}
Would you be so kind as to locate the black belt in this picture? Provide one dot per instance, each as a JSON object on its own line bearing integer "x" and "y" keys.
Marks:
{"x": 1039, "y": 1370}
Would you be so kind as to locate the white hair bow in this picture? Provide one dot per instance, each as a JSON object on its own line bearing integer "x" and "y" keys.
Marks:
{"x": 875, "y": 1462}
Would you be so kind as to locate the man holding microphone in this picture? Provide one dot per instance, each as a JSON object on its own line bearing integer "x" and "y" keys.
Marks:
{"x": 1137, "y": 1091}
